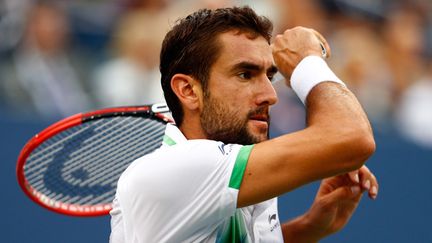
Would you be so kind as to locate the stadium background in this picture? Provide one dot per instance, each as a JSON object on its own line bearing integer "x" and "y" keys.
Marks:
{"x": 382, "y": 49}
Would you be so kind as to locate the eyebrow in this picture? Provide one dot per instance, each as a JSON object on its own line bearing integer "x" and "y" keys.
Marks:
{"x": 253, "y": 67}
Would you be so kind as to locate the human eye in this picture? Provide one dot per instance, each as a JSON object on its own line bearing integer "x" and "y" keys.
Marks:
{"x": 245, "y": 75}
{"x": 270, "y": 77}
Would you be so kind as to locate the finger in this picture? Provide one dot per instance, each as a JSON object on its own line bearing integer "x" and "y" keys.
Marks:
{"x": 279, "y": 43}
{"x": 324, "y": 43}
{"x": 373, "y": 192}
{"x": 323, "y": 50}
{"x": 365, "y": 177}
{"x": 344, "y": 193}
{"x": 368, "y": 182}
{"x": 354, "y": 176}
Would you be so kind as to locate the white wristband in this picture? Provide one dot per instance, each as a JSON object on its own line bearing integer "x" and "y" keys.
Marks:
{"x": 311, "y": 71}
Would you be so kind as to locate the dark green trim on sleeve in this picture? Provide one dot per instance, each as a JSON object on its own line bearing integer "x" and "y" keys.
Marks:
{"x": 240, "y": 166}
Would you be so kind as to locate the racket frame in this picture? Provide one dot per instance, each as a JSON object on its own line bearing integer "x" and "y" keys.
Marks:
{"x": 155, "y": 110}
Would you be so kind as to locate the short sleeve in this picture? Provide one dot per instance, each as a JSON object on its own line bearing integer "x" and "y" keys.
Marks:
{"x": 240, "y": 167}
{"x": 182, "y": 189}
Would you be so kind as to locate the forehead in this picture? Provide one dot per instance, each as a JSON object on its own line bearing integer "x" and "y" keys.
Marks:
{"x": 243, "y": 47}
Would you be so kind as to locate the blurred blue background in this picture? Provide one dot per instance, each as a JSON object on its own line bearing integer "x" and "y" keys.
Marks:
{"x": 61, "y": 57}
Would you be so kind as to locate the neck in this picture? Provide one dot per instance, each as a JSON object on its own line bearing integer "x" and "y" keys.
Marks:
{"x": 191, "y": 128}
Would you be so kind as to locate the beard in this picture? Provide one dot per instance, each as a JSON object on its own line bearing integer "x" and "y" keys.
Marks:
{"x": 225, "y": 125}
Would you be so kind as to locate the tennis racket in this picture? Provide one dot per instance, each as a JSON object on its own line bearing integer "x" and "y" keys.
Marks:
{"x": 72, "y": 167}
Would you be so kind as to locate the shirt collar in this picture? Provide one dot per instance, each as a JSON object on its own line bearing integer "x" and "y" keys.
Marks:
{"x": 172, "y": 136}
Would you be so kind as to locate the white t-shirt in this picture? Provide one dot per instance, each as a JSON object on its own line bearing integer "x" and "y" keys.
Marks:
{"x": 186, "y": 191}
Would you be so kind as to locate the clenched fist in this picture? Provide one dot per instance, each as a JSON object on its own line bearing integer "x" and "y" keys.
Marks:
{"x": 294, "y": 45}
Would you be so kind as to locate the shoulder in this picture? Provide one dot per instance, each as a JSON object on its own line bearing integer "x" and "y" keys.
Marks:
{"x": 204, "y": 154}
{"x": 205, "y": 148}
{"x": 187, "y": 163}
{"x": 196, "y": 149}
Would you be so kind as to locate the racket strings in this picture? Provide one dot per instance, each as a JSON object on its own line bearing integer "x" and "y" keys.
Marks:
{"x": 52, "y": 147}
{"x": 90, "y": 158}
{"x": 98, "y": 151}
{"x": 149, "y": 146}
{"x": 101, "y": 178}
{"x": 141, "y": 143}
{"x": 54, "y": 144}
{"x": 73, "y": 198}
{"x": 136, "y": 140}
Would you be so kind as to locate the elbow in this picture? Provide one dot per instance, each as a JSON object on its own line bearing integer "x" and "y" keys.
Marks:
{"x": 362, "y": 146}
{"x": 367, "y": 146}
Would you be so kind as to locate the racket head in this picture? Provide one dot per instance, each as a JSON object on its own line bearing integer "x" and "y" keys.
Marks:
{"x": 72, "y": 167}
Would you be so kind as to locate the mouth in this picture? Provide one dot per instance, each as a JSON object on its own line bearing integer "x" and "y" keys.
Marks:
{"x": 260, "y": 118}
{"x": 260, "y": 122}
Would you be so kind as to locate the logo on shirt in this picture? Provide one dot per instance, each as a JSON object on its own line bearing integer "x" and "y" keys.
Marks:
{"x": 273, "y": 222}
{"x": 225, "y": 149}
{"x": 222, "y": 148}
{"x": 271, "y": 218}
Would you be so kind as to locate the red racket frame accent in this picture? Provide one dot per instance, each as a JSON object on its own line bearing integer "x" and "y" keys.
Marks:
{"x": 62, "y": 125}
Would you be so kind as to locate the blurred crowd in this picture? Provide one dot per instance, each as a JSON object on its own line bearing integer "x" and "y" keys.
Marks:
{"x": 61, "y": 57}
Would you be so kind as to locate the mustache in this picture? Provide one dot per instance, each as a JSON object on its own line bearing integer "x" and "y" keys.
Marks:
{"x": 261, "y": 112}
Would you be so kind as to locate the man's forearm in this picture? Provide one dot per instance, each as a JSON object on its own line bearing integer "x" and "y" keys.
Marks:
{"x": 298, "y": 230}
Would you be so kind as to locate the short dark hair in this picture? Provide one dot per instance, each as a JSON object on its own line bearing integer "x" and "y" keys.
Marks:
{"x": 191, "y": 46}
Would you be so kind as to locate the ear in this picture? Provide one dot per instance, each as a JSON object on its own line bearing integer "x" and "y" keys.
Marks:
{"x": 188, "y": 91}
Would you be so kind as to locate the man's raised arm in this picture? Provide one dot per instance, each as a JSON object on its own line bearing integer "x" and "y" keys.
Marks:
{"x": 338, "y": 137}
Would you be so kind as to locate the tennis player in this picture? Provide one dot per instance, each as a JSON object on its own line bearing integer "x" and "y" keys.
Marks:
{"x": 217, "y": 176}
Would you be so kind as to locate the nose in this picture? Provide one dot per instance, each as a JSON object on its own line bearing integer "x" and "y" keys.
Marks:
{"x": 266, "y": 93}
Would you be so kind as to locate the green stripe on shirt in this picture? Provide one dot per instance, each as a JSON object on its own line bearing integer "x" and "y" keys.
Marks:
{"x": 169, "y": 141}
{"x": 234, "y": 230}
{"x": 240, "y": 166}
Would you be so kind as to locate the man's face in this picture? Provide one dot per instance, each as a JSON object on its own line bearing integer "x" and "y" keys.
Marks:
{"x": 239, "y": 93}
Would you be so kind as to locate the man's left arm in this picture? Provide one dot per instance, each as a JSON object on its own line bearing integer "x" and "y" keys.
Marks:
{"x": 335, "y": 202}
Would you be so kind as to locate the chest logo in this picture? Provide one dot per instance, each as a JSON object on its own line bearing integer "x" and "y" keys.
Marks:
{"x": 273, "y": 222}
{"x": 271, "y": 218}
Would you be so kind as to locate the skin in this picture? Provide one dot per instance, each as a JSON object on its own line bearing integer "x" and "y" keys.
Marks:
{"x": 338, "y": 133}
{"x": 245, "y": 72}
